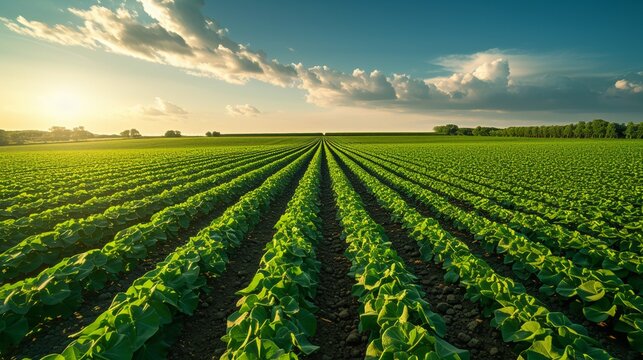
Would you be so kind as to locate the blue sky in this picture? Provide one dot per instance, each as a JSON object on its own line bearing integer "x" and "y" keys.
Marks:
{"x": 246, "y": 66}
{"x": 405, "y": 36}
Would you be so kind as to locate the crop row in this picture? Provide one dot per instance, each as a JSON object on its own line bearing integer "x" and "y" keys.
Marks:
{"x": 596, "y": 223}
{"x": 392, "y": 307}
{"x": 275, "y": 314}
{"x": 44, "y": 202}
{"x": 133, "y": 326}
{"x": 520, "y": 318}
{"x": 58, "y": 290}
{"x": 584, "y": 250}
{"x": 84, "y": 178}
{"x": 601, "y": 292}
{"x": 50, "y": 247}
{"x": 575, "y": 206}
{"x": 14, "y": 231}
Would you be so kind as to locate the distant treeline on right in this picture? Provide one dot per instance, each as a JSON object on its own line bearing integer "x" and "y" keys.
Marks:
{"x": 594, "y": 129}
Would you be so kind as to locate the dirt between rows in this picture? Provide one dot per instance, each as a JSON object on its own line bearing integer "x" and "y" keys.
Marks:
{"x": 338, "y": 315}
{"x": 466, "y": 327}
{"x": 53, "y": 336}
{"x": 614, "y": 342}
{"x": 200, "y": 336}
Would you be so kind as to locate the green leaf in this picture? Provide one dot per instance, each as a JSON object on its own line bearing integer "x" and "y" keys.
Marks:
{"x": 254, "y": 284}
{"x": 451, "y": 277}
{"x": 599, "y": 311}
{"x": 542, "y": 350}
{"x": 591, "y": 290}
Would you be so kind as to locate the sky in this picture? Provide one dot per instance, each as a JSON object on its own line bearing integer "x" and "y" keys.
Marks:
{"x": 241, "y": 66}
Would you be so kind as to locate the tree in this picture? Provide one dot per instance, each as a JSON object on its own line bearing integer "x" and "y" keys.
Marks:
{"x": 597, "y": 128}
{"x": 59, "y": 133}
{"x": 208, "y": 134}
{"x": 216, "y": 133}
{"x": 4, "y": 138}
{"x": 135, "y": 133}
{"x": 630, "y": 130}
{"x": 448, "y": 129}
{"x": 610, "y": 131}
{"x": 125, "y": 133}
{"x": 639, "y": 131}
{"x": 79, "y": 133}
{"x": 579, "y": 132}
{"x": 173, "y": 133}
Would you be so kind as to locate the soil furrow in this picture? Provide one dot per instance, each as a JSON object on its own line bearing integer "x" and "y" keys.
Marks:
{"x": 466, "y": 327}
{"x": 338, "y": 315}
{"x": 54, "y": 335}
{"x": 614, "y": 342}
{"x": 200, "y": 336}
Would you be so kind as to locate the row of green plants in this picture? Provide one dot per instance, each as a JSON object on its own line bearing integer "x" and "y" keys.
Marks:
{"x": 130, "y": 173}
{"x": 73, "y": 235}
{"x": 521, "y": 318}
{"x": 60, "y": 289}
{"x": 135, "y": 323}
{"x": 621, "y": 229}
{"x": 15, "y": 230}
{"x": 275, "y": 316}
{"x": 38, "y": 201}
{"x": 584, "y": 250}
{"x": 399, "y": 321}
{"x": 73, "y": 172}
{"x": 604, "y": 210}
{"x": 598, "y": 187}
{"x": 603, "y": 295}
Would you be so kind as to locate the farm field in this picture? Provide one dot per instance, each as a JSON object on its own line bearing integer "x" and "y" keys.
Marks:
{"x": 333, "y": 247}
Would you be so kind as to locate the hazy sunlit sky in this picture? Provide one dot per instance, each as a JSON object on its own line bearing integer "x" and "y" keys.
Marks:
{"x": 293, "y": 66}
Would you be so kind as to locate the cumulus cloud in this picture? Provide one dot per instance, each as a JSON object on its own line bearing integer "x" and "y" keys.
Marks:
{"x": 629, "y": 86}
{"x": 326, "y": 86}
{"x": 242, "y": 110}
{"x": 178, "y": 34}
{"x": 160, "y": 107}
{"x": 523, "y": 64}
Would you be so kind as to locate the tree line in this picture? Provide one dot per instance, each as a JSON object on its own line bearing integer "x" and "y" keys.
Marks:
{"x": 594, "y": 129}
{"x": 55, "y": 134}
{"x": 131, "y": 133}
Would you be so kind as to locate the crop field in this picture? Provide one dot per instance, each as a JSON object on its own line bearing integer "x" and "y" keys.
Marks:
{"x": 334, "y": 247}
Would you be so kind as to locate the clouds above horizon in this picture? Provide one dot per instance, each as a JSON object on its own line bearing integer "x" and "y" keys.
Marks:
{"x": 160, "y": 107}
{"x": 177, "y": 33}
{"x": 242, "y": 110}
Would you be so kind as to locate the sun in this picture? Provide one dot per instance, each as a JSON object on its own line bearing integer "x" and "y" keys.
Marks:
{"x": 63, "y": 104}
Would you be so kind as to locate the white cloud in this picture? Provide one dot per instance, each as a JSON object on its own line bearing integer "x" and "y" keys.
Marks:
{"x": 179, "y": 35}
{"x": 242, "y": 110}
{"x": 326, "y": 86}
{"x": 60, "y": 34}
{"x": 487, "y": 79}
{"x": 628, "y": 86}
{"x": 523, "y": 64}
{"x": 160, "y": 107}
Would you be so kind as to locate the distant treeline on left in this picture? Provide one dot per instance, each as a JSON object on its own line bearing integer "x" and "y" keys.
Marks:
{"x": 55, "y": 134}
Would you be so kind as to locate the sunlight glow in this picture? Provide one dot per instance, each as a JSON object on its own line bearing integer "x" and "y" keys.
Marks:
{"x": 63, "y": 105}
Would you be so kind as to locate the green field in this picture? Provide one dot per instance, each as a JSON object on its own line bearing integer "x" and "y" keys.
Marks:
{"x": 378, "y": 247}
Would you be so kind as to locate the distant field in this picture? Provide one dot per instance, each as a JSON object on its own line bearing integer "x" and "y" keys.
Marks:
{"x": 322, "y": 247}
{"x": 183, "y": 142}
